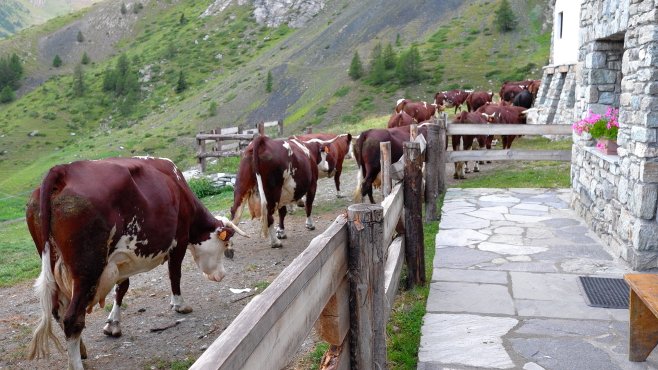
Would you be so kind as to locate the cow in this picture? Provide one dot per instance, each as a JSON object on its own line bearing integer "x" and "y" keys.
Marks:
{"x": 451, "y": 99}
{"x": 336, "y": 147}
{"x": 400, "y": 119}
{"x": 494, "y": 113}
{"x": 367, "y": 155}
{"x": 476, "y": 99}
{"x": 510, "y": 89}
{"x": 274, "y": 173}
{"x": 420, "y": 111}
{"x": 523, "y": 99}
{"x": 467, "y": 141}
{"x": 96, "y": 223}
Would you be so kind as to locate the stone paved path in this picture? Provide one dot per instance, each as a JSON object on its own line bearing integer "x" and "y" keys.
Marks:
{"x": 505, "y": 293}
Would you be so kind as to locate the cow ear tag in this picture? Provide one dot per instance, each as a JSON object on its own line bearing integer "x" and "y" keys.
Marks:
{"x": 223, "y": 235}
{"x": 326, "y": 149}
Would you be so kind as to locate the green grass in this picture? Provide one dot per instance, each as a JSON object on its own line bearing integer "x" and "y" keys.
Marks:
{"x": 20, "y": 260}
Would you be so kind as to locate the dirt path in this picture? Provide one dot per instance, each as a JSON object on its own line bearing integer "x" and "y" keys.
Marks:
{"x": 147, "y": 301}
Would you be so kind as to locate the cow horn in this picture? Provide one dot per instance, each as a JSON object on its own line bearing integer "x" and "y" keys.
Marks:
{"x": 524, "y": 112}
{"x": 236, "y": 228}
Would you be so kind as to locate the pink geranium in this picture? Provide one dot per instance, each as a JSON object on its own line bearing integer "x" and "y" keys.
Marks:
{"x": 606, "y": 126}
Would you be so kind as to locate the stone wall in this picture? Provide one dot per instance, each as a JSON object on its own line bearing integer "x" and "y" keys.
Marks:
{"x": 556, "y": 97}
{"x": 617, "y": 195}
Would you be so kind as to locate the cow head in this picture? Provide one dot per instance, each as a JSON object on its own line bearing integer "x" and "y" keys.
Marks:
{"x": 330, "y": 159}
{"x": 208, "y": 254}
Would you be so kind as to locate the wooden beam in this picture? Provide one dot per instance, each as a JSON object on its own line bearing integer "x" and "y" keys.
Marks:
{"x": 508, "y": 155}
{"x": 508, "y": 129}
{"x": 432, "y": 170}
{"x": 392, "y": 271}
{"x": 413, "y": 223}
{"x": 393, "y": 205}
{"x": 334, "y": 322}
{"x": 366, "y": 274}
{"x": 294, "y": 301}
{"x": 225, "y": 136}
{"x": 385, "y": 165}
{"x": 441, "y": 150}
{"x": 225, "y": 153}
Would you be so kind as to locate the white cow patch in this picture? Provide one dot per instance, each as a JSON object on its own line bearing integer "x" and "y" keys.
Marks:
{"x": 302, "y": 147}
{"x": 287, "y": 146}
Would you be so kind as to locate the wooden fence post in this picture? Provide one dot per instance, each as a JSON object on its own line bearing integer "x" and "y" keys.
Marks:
{"x": 441, "y": 146}
{"x": 261, "y": 128}
{"x": 201, "y": 144}
{"x": 366, "y": 273}
{"x": 385, "y": 163}
{"x": 309, "y": 130}
{"x": 413, "y": 131}
{"x": 432, "y": 171}
{"x": 413, "y": 223}
{"x": 280, "y": 128}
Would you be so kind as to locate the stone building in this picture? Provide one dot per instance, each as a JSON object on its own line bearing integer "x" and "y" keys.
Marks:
{"x": 616, "y": 66}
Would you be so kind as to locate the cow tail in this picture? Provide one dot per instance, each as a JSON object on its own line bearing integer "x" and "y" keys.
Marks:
{"x": 261, "y": 190}
{"x": 46, "y": 289}
{"x": 356, "y": 149}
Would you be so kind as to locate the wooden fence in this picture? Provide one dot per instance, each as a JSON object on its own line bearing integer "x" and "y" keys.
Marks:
{"x": 498, "y": 154}
{"x": 230, "y": 141}
{"x": 344, "y": 283}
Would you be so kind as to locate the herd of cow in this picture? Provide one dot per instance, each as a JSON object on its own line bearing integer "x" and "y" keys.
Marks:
{"x": 96, "y": 223}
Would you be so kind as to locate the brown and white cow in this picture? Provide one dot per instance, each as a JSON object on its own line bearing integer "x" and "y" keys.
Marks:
{"x": 367, "y": 155}
{"x": 494, "y": 113}
{"x": 476, "y": 99}
{"x": 275, "y": 173}
{"x": 510, "y": 89}
{"x": 96, "y": 223}
{"x": 420, "y": 111}
{"x": 467, "y": 142}
{"x": 451, "y": 99}
{"x": 400, "y": 119}
{"x": 337, "y": 147}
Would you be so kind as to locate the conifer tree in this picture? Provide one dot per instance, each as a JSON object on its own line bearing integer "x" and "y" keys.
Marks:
{"x": 7, "y": 95}
{"x": 85, "y": 58}
{"x": 356, "y": 67}
{"x": 124, "y": 10}
{"x": 57, "y": 61}
{"x": 79, "y": 87}
{"x": 80, "y": 37}
{"x": 408, "y": 69}
{"x": 390, "y": 58}
{"x": 377, "y": 73}
{"x": 505, "y": 20}
{"x": 268, "y": 83}
{"x": 181, "y": 85}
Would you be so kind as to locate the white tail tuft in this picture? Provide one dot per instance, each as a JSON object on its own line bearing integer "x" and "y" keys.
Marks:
{"x": 265, "y": 230}
{"x": 357, "y": 192}
{"x": 45, "y": 288}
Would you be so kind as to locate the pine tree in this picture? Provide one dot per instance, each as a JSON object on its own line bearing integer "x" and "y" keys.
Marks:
{"x": 181, "y": 85}
{"x": 398, "y": 41}
{"x": 268, "y": 83}
{"x": 85, "y": 58}
{"x": 182, "y": 19}
{"x": 377, "y": 73}
{"x": 212, "y": 109}
{"x": 124, "y": 10}
{"x": 505, "y": 20}
{"x": 390, "y": 58}
{"x": 109, "y": 80}
{"x": 57, "y": 61}
{"x": 356, "y": 67}
{"x": 80, "y": 37}
{"x": 79, "y": 87}
{"x": 7, "y": 95}
{"x": 408, "y": 69}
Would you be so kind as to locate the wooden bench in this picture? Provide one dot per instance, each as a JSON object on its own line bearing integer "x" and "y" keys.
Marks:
{"x": 643, "y": 311}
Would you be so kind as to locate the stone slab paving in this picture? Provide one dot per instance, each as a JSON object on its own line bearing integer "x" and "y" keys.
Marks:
{"x": 504, "y": 292}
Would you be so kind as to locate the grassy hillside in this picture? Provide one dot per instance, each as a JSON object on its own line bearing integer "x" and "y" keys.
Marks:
{"x": 225, "y": 59}
{"x": 16, "y": 15}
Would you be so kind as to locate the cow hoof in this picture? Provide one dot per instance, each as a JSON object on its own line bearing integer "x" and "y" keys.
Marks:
{"x": 455, "y": 177}
{"x": 476, "y": 170}
{"x": 310, "y": 227}
{"x": 112, "y": 329}
{"x": 83, "y": 350}
{"x": 462, "y": 177}
{"x": 228, "y": 253}
{"x": 339, "y": 195}
{"x": 488, "y": 161}
{"x": 301, "y": 204}
{"x": 182, "y": 309}
{"x": 277, "y": 245}
{"x": 467, "y": 170}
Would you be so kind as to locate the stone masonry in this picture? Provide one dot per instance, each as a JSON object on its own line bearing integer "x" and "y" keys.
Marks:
{"x": 618, "y": 62}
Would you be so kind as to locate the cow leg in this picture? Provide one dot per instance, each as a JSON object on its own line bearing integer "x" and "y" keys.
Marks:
{"x": 112, "y": 327}
{"x": 174, "y": 263}
{"x": 281, "y": 229}
{"x": 75, "y": 357}
{"x": 74, "y": 321}
{"x": 310, "y": 197}
{"x": 337, "y": 182}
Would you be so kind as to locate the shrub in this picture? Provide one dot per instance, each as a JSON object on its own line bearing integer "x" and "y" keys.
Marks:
{"x": 203, "y": 187}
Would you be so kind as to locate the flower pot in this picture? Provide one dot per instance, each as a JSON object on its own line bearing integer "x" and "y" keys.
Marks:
{"x": 607, "y": 146}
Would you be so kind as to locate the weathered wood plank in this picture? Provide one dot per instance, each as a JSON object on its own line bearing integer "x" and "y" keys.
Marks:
{"x": 508, "y": 155}
{"x": 223, "y": 153}
{"x": 385, "y": 165}
{"x": 366, "y": 275}
{"x": 413, "y": 224}
{"x": 393, "y": 205}
{"x": 269, "y": 330}
{"x": 392, "y": 271}
{"x": 431, "y": 172}
{"x": 508, "y": 129}
{"x": 225, "y": 136}
{"x": 337, "y": 357}
{"x": 334, "y": 322}
{"x": 441, "y": 149}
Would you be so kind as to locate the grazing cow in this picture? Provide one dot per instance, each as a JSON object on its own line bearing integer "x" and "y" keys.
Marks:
{"x": 533, "y": 87}
{"x": 503, "y": 114}
{"x": 400, "y": 119}
{"x": 467, "y": 141}
{"x": 510, "y": 89}
{"x": 96, "y": 223}
{"x": 367, "y": 155}
{"x": 476, "y": 99}
{"x": 277, "y": 173}
{"x": 524, "y": 99}
{"x": 451, "y": 99}
{"x": 336, "y": 147}
{"x": 420, "y": 111}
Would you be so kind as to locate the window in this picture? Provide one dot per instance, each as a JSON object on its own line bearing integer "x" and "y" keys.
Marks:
{"x": 560, "y": 18}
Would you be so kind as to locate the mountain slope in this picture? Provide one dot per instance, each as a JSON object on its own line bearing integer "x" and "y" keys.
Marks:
{"x": 16, "y": 15}
{"x": 226, "y": 58}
